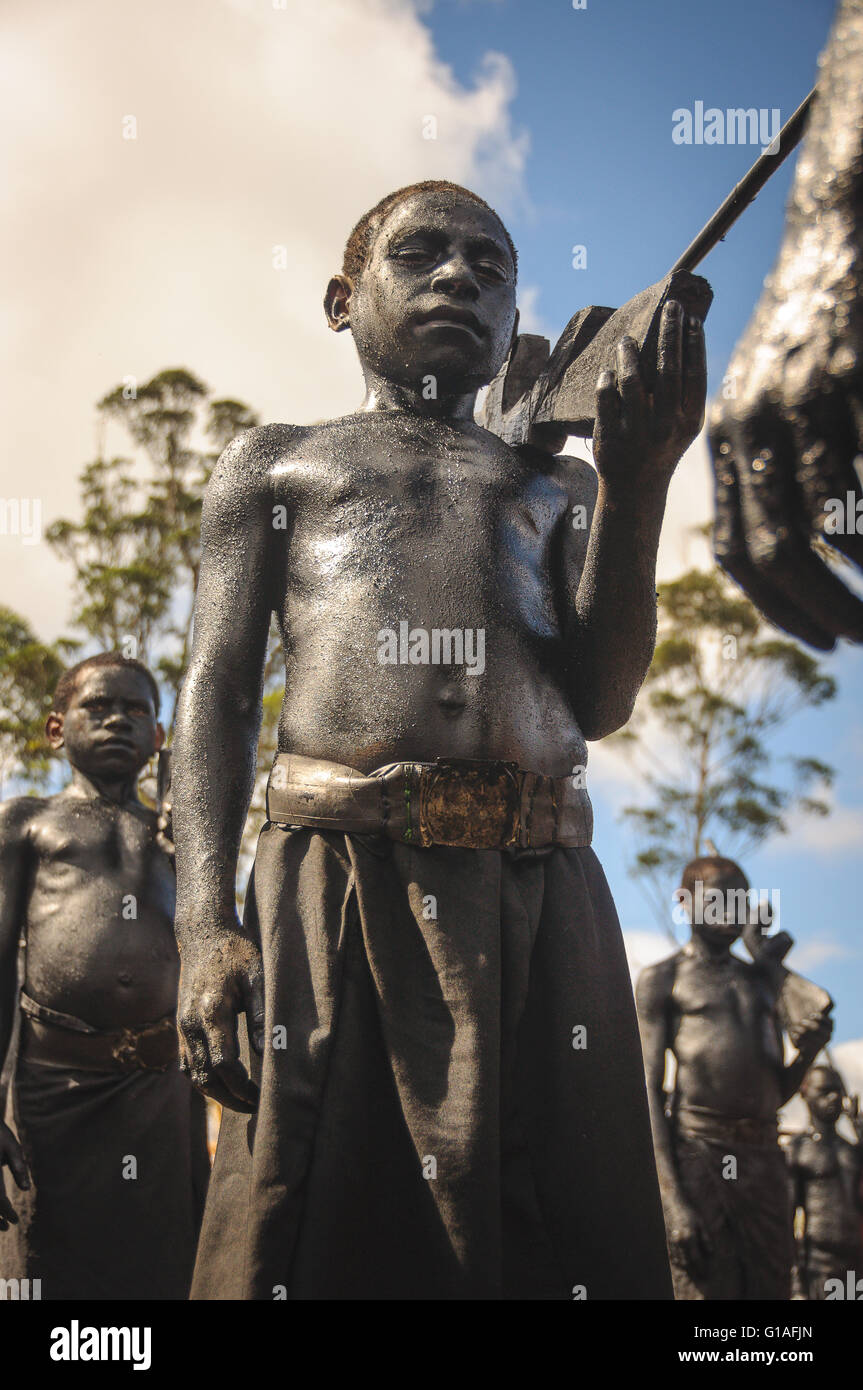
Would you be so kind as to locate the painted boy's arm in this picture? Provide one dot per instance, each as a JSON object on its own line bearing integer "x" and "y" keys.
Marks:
{"x": 638, "y": 442}
{"x": 686, "y": 1232}
{"x": 14, "y": 824}
{"x": 218, "y": 721}
{"x": 808, "y": 1037}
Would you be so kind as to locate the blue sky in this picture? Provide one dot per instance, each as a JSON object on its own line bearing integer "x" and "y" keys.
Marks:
{"x": 595, "y": 93}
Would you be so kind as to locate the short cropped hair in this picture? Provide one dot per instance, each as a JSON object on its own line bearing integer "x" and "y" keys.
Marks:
{"x": 360, "y": 240}
{"x": 68, "y": 682}
{"x": 696, "y": 869}
{"x": 831, "y": 1072}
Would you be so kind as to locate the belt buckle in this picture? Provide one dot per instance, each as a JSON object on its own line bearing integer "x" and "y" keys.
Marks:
{"x": 125, "y": 1051}
{"x": 469, "y": 803}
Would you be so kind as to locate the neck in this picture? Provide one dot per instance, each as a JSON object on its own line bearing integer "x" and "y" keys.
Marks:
{"x": 825, "y": 1129}
{"x": 118, "y": 789}
{"x": 382, "y": 394}
{"x": 715, "y": 952}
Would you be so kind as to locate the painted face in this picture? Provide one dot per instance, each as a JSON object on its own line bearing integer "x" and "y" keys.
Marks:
{"x": 724, "y": 909}
{"x": 824, "y": 1096}
{"x": 110, "y": 727}
{"x": 437, "y": 296}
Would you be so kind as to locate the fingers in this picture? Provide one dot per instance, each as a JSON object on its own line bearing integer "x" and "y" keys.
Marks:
{"x": 825, "y": 438}
{"x": 631, "y": 387}
{"x": 781, "y": 481}
{"x": 211, "y": 1059}
{"x": 17, "y": 1167}
{"x": 777, "y": 541}
{"x": 667, "y": 391}
{"x": 694, "y": 389}
{"x": 761, "y": 541}
{"x": 731, "y": 549}
{"x": 8, "y": 1214}
{"x": 254, "y": 1005}
{"x": 609, "y": 425}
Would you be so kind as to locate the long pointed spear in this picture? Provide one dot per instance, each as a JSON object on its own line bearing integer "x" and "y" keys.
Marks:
{"x": 747, "y": 189}
{"x": 540, "y": 397}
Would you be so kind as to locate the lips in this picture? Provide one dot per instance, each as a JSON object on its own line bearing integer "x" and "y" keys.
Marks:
{"x": 452, "y": 315}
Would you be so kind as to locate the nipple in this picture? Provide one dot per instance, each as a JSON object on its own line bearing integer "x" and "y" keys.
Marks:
{"x": 452, "y": 698}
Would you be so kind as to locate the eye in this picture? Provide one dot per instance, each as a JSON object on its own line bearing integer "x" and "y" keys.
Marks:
{"x": 491, "y": 270}
{"x": 413, "y": 254}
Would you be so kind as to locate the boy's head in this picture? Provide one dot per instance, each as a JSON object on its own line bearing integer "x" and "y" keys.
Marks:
{"x": 105, "y": 714}
{"x": 714, "y": 893}
{"x": 822, "y": 1089}
{"x": 428, "y": 289}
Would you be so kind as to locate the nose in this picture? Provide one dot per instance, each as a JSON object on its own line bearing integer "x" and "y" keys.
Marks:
{"x": 117, "y": 718}
{"x": 454, "y": 276}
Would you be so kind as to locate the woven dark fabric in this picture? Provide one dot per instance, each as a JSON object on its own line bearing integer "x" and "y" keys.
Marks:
{"x": 426, "y": 1127}
{"x": 86, "y": 1230}
{"x": 748, "y": 1218}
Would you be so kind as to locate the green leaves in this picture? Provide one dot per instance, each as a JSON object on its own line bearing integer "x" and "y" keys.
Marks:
{"x": 29, "y": 671}
{"x": 720, "y": 685}
{"x": 135, "y": 552}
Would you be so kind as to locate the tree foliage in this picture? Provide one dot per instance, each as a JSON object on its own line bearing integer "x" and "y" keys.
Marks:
{"x": 29, "y": 671}
{"x": 720, "y": 686}
{"x": 136, "y": 551}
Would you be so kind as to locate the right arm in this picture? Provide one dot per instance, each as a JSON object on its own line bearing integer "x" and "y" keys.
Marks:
{"x": 653, "y": 1001}
{"x": 15, "y": 819}
{"x": 218, "y": 720}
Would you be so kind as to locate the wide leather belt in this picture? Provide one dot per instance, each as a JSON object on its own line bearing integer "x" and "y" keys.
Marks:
{"x": 55, "y": 1039}
{"x": 702, "y": 1123}
{"x": 460, "y": 802}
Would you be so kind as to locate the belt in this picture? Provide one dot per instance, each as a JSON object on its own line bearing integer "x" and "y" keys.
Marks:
{"x": 461, "y": 802}
{"x": 701, "y": 1123}
{"x": 54, "y": 1039}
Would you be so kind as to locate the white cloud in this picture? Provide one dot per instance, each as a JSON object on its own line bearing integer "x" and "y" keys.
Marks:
{"x": 690, "y": 504}
{"x": 814, "y": 953}
{"x": 256, "y": 127}
{"x": 837, "y": 833}
{"x": 848, "y": 1057}
{"x": 644, "y": 947}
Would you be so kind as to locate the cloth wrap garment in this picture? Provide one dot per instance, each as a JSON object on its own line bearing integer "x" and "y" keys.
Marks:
{"x": 426, "y": 1127}
{"x": 747, "y": 1217}
{"x": 87, "y": 1228}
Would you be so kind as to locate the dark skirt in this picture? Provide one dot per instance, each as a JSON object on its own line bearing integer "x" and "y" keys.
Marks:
{"x": 748, "y": 1219}
{"x": 427, "y": 1128}
{"x": 118, "y": 1167}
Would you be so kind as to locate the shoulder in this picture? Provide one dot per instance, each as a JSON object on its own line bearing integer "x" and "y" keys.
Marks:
{"x": 250, "y": 458}
{"x": 655, "y": 982}
{"x": 17, "y": 816}
{"x": 241, "y": 483}
{"x": 795, "y": 1148}
{"x": 580, "y": 475}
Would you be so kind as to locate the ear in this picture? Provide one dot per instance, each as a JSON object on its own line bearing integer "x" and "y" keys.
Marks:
{"x": 159, "y": 740}
{"x": 54, "y": 729}
{"x": 337, "y": 303}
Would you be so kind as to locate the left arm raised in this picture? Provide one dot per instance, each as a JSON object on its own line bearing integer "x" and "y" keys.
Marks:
{"x": 639, "y": 439}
